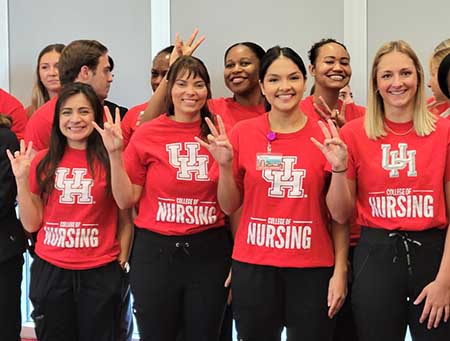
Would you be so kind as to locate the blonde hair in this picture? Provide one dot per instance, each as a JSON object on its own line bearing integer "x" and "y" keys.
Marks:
{"x": 439, "y": 53}
{"x": 424, "y": 121}
{"x": 5, "y": 121}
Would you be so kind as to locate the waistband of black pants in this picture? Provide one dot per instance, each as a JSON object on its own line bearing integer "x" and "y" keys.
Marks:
{"x": 201, "y": 237}
{"x": 374, "y": 235}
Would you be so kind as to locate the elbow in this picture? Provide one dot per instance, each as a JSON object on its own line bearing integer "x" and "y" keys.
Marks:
{"x": 340, "y": 218}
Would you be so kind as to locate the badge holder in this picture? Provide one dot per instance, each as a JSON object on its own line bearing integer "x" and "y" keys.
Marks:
{"x": 269, "y": 160}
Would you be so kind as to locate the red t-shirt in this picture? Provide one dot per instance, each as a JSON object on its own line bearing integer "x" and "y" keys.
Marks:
{"x": 399, "y": 179}
{"x": 179, "y": 196}
{"x": 232, "y": 112}
{"x": 352, "y": 110}
{"x": 10, "y": 106}
{"x": 79, "y": 223}
{"x": 40, "y": 124}
{"x": 442, "y": 109}
{"x": 129, "y": 122}
{"x": 284, "y": 217}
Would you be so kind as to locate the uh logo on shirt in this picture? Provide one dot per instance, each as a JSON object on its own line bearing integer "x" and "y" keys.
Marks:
{"x": 285, "y": 181}
{"x": 189, "y": 163}
{"x": 75, "y": 188}
{"x": 399, "y": 159}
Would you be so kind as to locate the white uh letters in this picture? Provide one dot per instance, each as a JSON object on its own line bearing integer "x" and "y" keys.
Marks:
{"x": 288, "y": 178}
{"x": 188, "y": 163}
{"x": 399, "y": 160}
{"x": 74, "y": 189}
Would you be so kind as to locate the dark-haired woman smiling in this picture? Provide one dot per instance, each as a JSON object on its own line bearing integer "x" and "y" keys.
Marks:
{"x": 66, "y": 197}
{"x": 283, "y": 255}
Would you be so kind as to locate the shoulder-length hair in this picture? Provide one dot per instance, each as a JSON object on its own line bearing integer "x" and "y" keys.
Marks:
{"x": 192, "y": 67}
{"x": 39, "y": 94}
{"x": 424, "y": 121}
{"x": 95, "y": 150}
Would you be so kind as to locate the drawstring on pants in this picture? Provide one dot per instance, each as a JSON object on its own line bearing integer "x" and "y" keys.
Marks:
{"x": 405, "y": 239}
{"x": 184, "y": 247}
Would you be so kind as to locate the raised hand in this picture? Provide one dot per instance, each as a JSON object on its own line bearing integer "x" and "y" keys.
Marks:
{"x": 333, "y": 148}
{"x": 185, "y": 49}
{"x": 21, "y": 160}
{"x": 111, "y": 133}
{"x": 218, "y": 144}
{"x": 326, "y": 113}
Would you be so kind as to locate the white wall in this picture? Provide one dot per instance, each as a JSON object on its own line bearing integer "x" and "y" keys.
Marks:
{"x": 123, "y": 26}
{"x": 422, "y": 24}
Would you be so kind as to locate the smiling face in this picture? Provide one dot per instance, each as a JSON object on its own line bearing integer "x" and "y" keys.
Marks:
{"x": 397, "y": 82}
{"x": 241, "y": 70}
{"x": 283, "y": 85}
{"x": 332, "y": 67}
{"x": 189, "y": 94}
{"x": 75, "y": 120}
{"x": 48, "y": 72}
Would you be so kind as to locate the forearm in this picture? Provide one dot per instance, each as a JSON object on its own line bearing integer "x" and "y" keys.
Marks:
{"x": 339, "y": 198}
{"x": 444, "y": 269}
{"x": 229, "y": 195}
{"x": 156, "y": 104}
{"x": 122, "y": 188}
{"x": 124, "y": 234}
{"x": 340, "y": 234}
{"x": 234, "y": 220}
{"x": 30, "y": 207}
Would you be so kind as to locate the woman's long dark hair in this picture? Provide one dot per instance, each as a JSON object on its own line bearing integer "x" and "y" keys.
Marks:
{"x": 193, "y": 67}
{"x": 95, "y": 150}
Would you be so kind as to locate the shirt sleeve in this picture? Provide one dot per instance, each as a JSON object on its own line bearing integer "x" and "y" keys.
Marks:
{"x": 135, "y": 165}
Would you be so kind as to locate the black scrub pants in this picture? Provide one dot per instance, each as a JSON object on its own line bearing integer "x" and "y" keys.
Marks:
{"x": 178, "y": 284}
{"x": 390, "y": 270}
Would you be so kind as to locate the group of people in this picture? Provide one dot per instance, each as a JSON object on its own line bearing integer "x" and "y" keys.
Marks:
{"x": 312, "y": 214}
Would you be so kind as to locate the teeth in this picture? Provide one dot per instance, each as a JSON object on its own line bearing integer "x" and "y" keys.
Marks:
{"x": 237, "y": 80}
{"x": 337, "y": 77}
{"x": 285, "y": 96}
{"x": 189, "y": 101}
{"x": 397, "y": 92}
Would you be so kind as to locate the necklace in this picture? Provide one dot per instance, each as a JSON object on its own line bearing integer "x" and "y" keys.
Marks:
{"x": 396, "y": 132}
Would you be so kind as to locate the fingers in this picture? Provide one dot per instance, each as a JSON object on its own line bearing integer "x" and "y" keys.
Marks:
{"x": 197, "y": 44}
{"x": 192, "y": 37}
{"x": 202, "y": 143}
{"x": 117, "y": 118}
{"x": 425, "y": 312}
{"x": 211, "y": 126}
{"x": 334, "y": 131}
{"x": 317, "y": 143}
{"x": 10, "y": 155}
{"x": 29, "y": 151}
{"x": 320, "y": 112}
{"x": 325, "y": 104}
{"x": 108, "y": 114}
{"x": 437, "y": 319}
{"x": 96, "y": 127}
{"x": 447, "y": 313}
{"x": 324, "y": 129}
{"x": 222, "y": 129}
{"x": 228, "y": 280}
{"x": 22, "y": 147}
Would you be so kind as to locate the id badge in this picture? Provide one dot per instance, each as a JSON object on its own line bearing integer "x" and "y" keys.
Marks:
{"x": 272, "y": 161}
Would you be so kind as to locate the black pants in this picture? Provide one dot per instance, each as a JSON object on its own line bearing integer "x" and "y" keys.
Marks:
{"x": 178, "y": 282}
{"x": 125, "y": 332}
{"x": 345, "y": 322}
{"x": 75, "y": 304}
{"x": 390, "y": 270}
{"x": 10, "y": 280}
{"x": 266, "y": 298}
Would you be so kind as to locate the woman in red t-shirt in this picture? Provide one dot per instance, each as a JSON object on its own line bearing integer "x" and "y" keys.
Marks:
{"x": 399, "y": 176}
{"x": 283, "y": 255}
{"x": 65, "y": 195}
{"x": 181, "y": 254}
